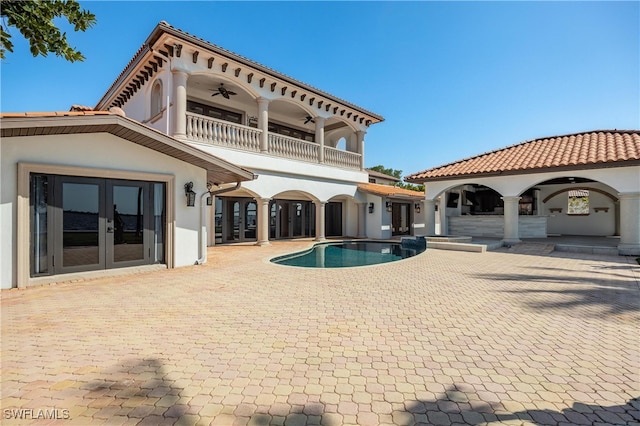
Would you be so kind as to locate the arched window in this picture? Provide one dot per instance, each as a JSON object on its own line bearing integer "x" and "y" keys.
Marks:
{"x": 156, "y": 98}
{"x": 342, "y": 144}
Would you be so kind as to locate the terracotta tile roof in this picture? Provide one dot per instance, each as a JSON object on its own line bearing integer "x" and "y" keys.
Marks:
{"x": 605, "y": 148}
{"x": 382, "y": 175}
{"x": 389, "y": 191}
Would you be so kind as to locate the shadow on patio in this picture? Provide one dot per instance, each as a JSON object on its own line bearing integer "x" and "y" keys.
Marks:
{"x": 456, "y": 406}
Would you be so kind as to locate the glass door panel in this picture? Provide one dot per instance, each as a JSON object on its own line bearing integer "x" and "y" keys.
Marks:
{"x": 128, "y": 222}
{"x": 80, "y": 224}
{"x": 273, "y": 214}
{"x": 250, "y": 220}
{"x": 233, "y": 221}
{"x": 296, "y": 219}
{"x": 284, "y": 220}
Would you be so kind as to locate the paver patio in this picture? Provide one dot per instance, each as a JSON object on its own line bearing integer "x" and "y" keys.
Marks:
{"x": 442, "y": 338}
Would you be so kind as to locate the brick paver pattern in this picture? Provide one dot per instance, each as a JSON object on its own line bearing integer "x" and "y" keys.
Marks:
{"x": 442, "y": 338}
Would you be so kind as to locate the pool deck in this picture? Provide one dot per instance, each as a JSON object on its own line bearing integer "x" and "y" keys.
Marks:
{"x": 446, "y": 337}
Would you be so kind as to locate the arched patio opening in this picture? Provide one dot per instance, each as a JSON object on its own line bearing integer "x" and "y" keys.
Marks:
{"x": 577, "y": 206}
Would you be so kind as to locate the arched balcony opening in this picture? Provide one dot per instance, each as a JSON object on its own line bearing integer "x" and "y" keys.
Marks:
{"x": 221, "y": 111}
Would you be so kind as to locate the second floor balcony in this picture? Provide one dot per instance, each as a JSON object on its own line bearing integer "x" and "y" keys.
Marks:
{"x": 208, "y": 130}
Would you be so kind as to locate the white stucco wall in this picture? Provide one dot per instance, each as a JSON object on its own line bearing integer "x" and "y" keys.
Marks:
{"x": 601, "y": 223}
{"x": 100, "y": 151}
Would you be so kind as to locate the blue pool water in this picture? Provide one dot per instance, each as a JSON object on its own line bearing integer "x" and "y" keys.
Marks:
{"x": 345, "y": 254}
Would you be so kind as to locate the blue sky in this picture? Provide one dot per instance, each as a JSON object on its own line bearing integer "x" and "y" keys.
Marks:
{"x": 452, "y": 79}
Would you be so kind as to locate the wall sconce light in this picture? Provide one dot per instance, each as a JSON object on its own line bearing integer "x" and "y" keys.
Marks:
{"x": 191, "y": 196}
{"x": 371, "y": 207}
{"x": 417, "y": 207}
{"x": 389, "y": 206}
{"x": 209, "y": 201}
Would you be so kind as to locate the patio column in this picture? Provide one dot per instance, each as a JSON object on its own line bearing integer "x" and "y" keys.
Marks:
{"x": 511, "y": 233}
{"x": 360, "y": 139}
{"x": 320, "y": 220}
{"x": 442, "y": 210}
{"x": 263, "y": 221}
{"x": 320, "y": 138}
{"x": 180, "y": 99}
{"x": 263, "y": 123}
{"x": 430, "y": 217}
{"x": 629, "y": 224}
{"x": 362, "y": 220}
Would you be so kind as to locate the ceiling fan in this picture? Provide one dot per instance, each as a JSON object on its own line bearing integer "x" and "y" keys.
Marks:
{"x": 223, "y": 91}
{"x": 309, "y": 119}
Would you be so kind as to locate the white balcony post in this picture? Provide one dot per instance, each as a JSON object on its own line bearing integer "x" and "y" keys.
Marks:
{"x": 263, "y": 123}
{"x": 360, "y": 135}
{"x": 320, "y": 220}
{"x": 511, "y": 232}
{"x": 320, "y": 138}
{"x": 180, "y": 98}
{"x": 263, "y": 221}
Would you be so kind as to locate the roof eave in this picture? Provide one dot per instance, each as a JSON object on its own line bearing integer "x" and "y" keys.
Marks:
{"x": 109, "y": 123}
{"x": 163, "y": 28}
{"x": 591, "y": 166}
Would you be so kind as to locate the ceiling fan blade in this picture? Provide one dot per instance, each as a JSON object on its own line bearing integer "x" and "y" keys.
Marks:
{"x": 226, "y": 95}
{"x": 215, "y": 94}
{"x": 231, "y": 93}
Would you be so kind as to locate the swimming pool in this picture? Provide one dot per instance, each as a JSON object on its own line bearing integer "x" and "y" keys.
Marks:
{"x": 350, "y": 253}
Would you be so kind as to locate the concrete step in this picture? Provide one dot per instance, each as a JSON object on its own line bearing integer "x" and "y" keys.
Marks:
{"x": 540, "y": 249}
{"x": 575, "y": 248}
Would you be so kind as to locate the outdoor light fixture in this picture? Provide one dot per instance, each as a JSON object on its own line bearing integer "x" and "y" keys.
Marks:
{"x": 371, "y": 207}
{"x": 209, "y": 198}
{"x": 417, "y": 207}
{"x": 191, "y": 196}
{"x": 389, "y": 206}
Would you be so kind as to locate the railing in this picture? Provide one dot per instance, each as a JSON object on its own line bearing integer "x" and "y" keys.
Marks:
{"x": 224, "y": 133}
{"x": 283, "y": 146}
{"x": 340, "y": 158}
{"x": 231, "y": 135}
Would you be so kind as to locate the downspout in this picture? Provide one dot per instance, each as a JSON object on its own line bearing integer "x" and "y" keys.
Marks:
{"x": 203, "y": 218}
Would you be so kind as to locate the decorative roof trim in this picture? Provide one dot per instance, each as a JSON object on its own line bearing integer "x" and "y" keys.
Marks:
{"x": 164, "y": 28}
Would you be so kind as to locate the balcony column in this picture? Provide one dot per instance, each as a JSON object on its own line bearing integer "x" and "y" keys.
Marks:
{"x": 360, "y": 137}
{"x": 320, "y": 138}
{"x": 362, "y": 220}
{"x": 629, "y": 224}
{"x": 263, "y": 221}
{"x": 180, "y": 100}
{"x": 263, "y": 123}
{"x": 320, "y": 220}
{"x": 511, "y": 232}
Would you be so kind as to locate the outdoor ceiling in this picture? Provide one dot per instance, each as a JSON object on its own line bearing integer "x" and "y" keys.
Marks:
{"x": 204, "y": 86}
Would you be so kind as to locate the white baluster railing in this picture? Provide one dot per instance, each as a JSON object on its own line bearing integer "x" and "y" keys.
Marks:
{"x": 340, "y": 158}
{"x": 223, "y": 133}
{"x": 283, "y": 146}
